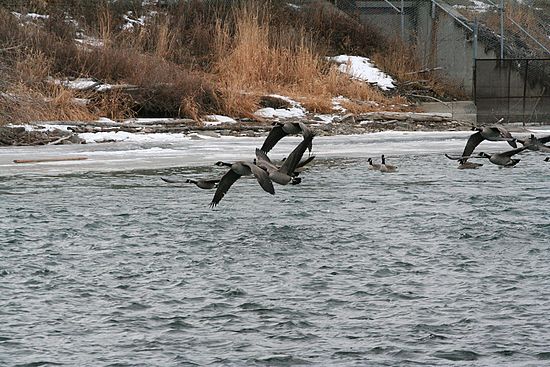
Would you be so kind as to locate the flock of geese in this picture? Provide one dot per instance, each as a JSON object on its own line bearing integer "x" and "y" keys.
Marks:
{"x": 267, "y": 172}
{"x": 262, "y": 167}
{"x": 503, "y": 159}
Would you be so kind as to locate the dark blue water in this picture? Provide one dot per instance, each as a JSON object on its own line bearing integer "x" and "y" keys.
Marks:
{"x": 428, "y": 266}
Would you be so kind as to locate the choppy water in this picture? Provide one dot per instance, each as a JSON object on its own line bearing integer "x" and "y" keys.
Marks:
{"x": 428, "y": 266}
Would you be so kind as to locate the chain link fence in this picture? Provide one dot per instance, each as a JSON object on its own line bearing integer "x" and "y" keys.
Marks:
{"x": 449, "y": 35}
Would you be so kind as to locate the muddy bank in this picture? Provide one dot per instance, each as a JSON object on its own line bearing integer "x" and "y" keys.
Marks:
{"x": 68, "y": 133}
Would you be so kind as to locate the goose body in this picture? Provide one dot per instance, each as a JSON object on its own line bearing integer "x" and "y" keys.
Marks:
{"x": 280, "y": 130}
{"x": 503, "y": 159}
{"x": 236, "y": 170}
{"x": 536, "y": 144}
{"x": 286, "y": 173}
{"x": 373, "y": 166}
{"x": 491, "y": 133}
{"x": 387, "y": 168}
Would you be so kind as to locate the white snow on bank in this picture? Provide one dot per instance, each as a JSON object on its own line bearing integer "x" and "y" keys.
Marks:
{"x": 219, "y": 119}
{"x": 477, "y": 5}
{"x": 296, "y": 110}
{"x": 82, "y": 84}
{"x": 361, "y": 68}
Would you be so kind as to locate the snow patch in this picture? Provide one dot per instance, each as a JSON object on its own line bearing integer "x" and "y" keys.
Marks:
{"x": 361, "y": 68}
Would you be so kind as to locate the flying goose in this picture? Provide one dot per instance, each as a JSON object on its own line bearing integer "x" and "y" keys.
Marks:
{"x": 537, "y": 144}
{"x": 285, "y": 174}
{"x": 387, "y": 168}
{"x": 503, "y": 159}
{"x": 373, "y": 166}
{"x": 280, "y": 130}
{"x": 491, "y": 133}
{"x": 301, "y": 166}
{"x": 237, "y": 170}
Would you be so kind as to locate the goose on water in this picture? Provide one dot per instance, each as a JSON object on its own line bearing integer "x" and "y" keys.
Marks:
{"x": 200, "y": 183}
{"x": 285, "y": 174}
{"x": 280, "y": 130}
{"x": 387, "y": 168}
{"x": 373, "y": 166}
{"x": 235, "y": 172}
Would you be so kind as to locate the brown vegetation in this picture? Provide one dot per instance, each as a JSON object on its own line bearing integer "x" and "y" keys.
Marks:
{"x": 196, "y": 58}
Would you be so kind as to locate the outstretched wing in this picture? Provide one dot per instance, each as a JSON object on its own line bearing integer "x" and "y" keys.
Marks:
{"x": 262, "y": 177}
{"x": 305, "y": 162}
{"x": 505, "y": 135}
{"x": 513, "y": 151}
{"x": 223, "y": 186}
{"x": 169, "y": 180}
{"x": 276, "y": 134}
{"x": 291, "y": 162}
{"x": 473, "y": 141}
{"x": 544, "y": 139}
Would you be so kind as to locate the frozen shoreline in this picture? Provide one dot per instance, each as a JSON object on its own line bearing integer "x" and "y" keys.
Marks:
{"x": 147, "y": 151}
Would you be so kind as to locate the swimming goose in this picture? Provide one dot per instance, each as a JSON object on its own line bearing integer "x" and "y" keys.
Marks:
{"x": 286, "y": 173}
{"x": 503, "y": 159}
{"x": 201, "y": 182}
{"x": 387, "y": 168}
{"x": 237, "y": 170}
{"x": 536, "y": 144}
{"x": 468, "y": 165}
{"x": 280, "y": 130}
{"x": 373, "y": 166}
{"x": 491, "y": 133}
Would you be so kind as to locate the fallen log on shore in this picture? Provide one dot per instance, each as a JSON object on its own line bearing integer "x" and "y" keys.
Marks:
{"x": 53, "y": 159}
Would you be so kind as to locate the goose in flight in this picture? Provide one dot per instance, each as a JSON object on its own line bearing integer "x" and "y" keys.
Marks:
{"x": 503, "y": 159}
{"x": 373, "y": 166}
{"x": 280, "y": 130}
{"x": 387, "y": 168}
{"x": 235, "y": 172}
{"x": 537, "y": 144}
{"x": 491, "y": 133}
{"x": 200, "y": 183}
{"x": 285, "y": 174}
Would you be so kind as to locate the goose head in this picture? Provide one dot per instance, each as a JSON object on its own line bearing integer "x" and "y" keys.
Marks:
{"x": 547, "y": 159}
{"x": 484, "y": 155}
{"x": 476, "y": 128}
{"x": 296, "y": 180}
{"x": 221, "y": 164}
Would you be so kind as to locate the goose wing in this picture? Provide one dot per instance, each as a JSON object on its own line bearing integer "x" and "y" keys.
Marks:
{"x": 544, "y": 139}
{"x": 473, "y": 141}
{"x": 223, "y": 186}
{"x": 513, "y": 151}
{"x": 262, "y": 177}
{"x": 169, "y": 180}
{"x": 305, "y": 162}
{"x": 263, "y": 161}
{"x": 291, "y": 162}
{"x": 276, "y": 134}
{"x": 505, "y": 135}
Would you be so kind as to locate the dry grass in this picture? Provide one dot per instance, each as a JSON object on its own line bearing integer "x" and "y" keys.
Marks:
{"x": 199, "y": 58}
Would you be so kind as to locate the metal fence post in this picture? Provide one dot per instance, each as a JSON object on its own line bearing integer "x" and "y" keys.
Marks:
{"x": 403, "y": 20}
{"x": 501, "y": 10}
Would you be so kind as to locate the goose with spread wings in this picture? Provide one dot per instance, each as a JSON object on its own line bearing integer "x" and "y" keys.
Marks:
{"x": 280, "y": 130}
{"x": 503, "y": 159}
{"x": 236, "y": 170}
{"x": 536, "y": 144}
{"x": 491, "y": 133}
{"x": 285, "y": 174}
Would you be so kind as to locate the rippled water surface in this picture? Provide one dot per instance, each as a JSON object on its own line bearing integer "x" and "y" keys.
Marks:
{"x": 428, "y": 266}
